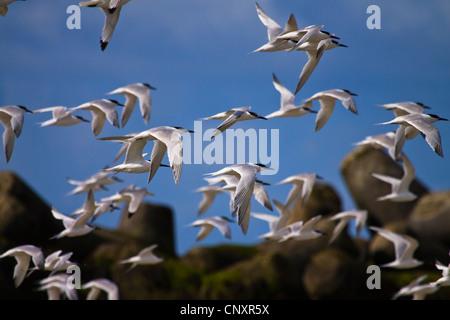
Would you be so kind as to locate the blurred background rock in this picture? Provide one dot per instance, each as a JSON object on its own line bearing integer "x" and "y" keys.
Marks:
{"x": 307, "y": 270}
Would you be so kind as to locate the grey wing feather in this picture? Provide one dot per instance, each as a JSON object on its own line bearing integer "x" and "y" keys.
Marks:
{"x": 159, "y": 149}
{"x": 261, "y": 196}
{"x": 308, "y": 69}
{"x": 273, "y": 29}
{"x": 228, "y": 122}
{"x": 111, "y": 20}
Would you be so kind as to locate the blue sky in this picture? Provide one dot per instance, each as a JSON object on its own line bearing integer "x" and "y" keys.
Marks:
{"x": 198, "y": 56}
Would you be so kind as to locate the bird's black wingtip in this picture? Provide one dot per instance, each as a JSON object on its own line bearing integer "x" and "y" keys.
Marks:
{"x": 103, "y": 45}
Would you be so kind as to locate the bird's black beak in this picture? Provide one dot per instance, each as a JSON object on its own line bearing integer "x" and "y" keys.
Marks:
{"x": 116, "y": 102}
{"x": 26, "y": 109}
{"x": 310, "y": 110}
{"x": 261, "y": 117}
{"x": 262, "y": 182}
{"x": 83, "y": 119}
{"x": 342, "y": 45}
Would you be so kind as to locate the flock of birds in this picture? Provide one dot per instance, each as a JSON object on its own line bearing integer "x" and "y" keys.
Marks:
{"x": 239, "y": 180}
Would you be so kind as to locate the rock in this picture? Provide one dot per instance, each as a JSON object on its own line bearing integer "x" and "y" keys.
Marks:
{"x": 297, "y": 253}
{"x": 151, "y": 224}
{"x": 332, "y": 274}
{"x": 431, "y": 217}
{"x": 357, "y": 169}
{"x": 209, "y": 259}
{"x": 310, "y": 269}
{"x": 268, "y": 276}
{"x": 24, "y": 217}
{"x": 171, "y": 279}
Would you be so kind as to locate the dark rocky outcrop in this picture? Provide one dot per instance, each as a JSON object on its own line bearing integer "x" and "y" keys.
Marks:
{"x": 333, "y": 274}
{"x": 24, "y": 216}
{"x": 431, "y": 217}
{"x": 299, "y": 270}
{"x": 157, "y": 227}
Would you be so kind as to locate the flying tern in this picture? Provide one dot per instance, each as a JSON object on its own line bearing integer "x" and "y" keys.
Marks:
{"x": 96, "y": 286}
{"x": 232, "y": 116}
{"x": 259, "y": 192}
{"x": 101, "y": 109}
{"x": 74, "y": 227}
{"x": 94, "y": 183}
{"x": 399, "y": 187}
{"x": 165, "y": 139}
{"x": 301, "y": 231}
{"x": 385, "y": 140}
{"x": 102, "y": 207}
{"x": 12, "y": 118}
{"x": 404, "y": 108}
{"x": 444, "y": 280}
{"x": 307, "y": 37}
{"x": 111, "y": 9}
{"x": 62, "y": 117}
{"x": 302, "y": 185}
{"x": 343, "y": 218}
{"x": 417, "y": 289}
{"x": 278, "y": 223}
{"x": 24, "y": 255}
{"x": 144, "y": 257}
{"x": 288, "y": 108}
{"x": 57, "y": 287}
{"x": 134, "y": 158}
{"x": 246, "y": 173}
{"x": 423, "y": 123}
{"x": 209, "y": 194}
{"x": 208, "y": 224}
{"x": 327, "y": 100}
{"x": 404, "y": 246}
{"x": 312, "y": 39}
{"x": 55, "y": 262}
{"x": 273, "y": 31}
{"x": 314, "y": 52}
{"x": 132, "y": 195}
{"x": 132, "y": 93}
